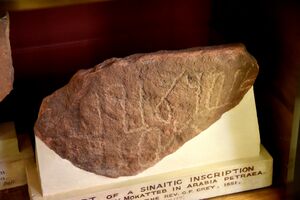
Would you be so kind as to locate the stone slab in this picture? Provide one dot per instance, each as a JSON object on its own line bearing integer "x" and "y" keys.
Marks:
{"x": 126, "y": 114}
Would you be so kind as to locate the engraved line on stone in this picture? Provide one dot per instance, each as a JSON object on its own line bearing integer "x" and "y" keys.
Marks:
{"x": 247, "y": 83}
{"x": 140, "y": 146}
{"x": 175, "y": 122}
{"x": 103, "y": 145}
{"x": 164, "y": 99}
{"x": 139, "y": 155}
{"x": 208, "y": 101}
{"x": 120, "y": 100}
{"x": 198, "y": 92}
{"x": 198, "y": 88}
{"x": 123, "y": 103}
{"x": 217, "y": 89}
{"x": 99, "y": 113}
{"x": 158, "y": 116}
{"x": 182, "y": 126}
{"x": 141, "y": 105}
{"x": 169, "y": 143}
{"x": 195, "y": 86}
{"x": 144, "y": 126}
{"x": 171, "y": 88}
{"x": 237, "y": 74}
{"x": 158, "y": 142}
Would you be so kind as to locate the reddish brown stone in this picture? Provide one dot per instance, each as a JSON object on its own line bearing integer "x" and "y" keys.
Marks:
{"x": 124, "y": 115}
{"x": 6, "y": 69}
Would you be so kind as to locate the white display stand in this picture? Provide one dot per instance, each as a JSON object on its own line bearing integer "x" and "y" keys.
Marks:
{"x": 231, "y": 143}
{"x": 13, "y": 161}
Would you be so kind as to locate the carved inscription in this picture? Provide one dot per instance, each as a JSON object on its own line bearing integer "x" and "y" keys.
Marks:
{"x": 127, "y": 114}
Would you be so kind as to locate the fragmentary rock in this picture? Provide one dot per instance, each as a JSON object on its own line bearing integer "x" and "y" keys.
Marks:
{"x": 126, "y": 114}
{"x": 6, "y": 68}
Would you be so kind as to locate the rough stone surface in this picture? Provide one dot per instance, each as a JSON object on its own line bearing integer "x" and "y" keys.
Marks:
{"x": 6, "y": 69}
{"x": 124, "y": 115}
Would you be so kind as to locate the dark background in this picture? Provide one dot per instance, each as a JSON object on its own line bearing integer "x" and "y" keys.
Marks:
{"x": 50, "y": 45}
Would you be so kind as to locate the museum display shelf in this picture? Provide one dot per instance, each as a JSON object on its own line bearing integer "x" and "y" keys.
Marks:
{"x": 46, "y": 52}
{"x": 15, "y": 153}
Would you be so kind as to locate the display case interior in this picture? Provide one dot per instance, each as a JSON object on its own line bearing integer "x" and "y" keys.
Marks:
{"x": 50, "y": 44}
